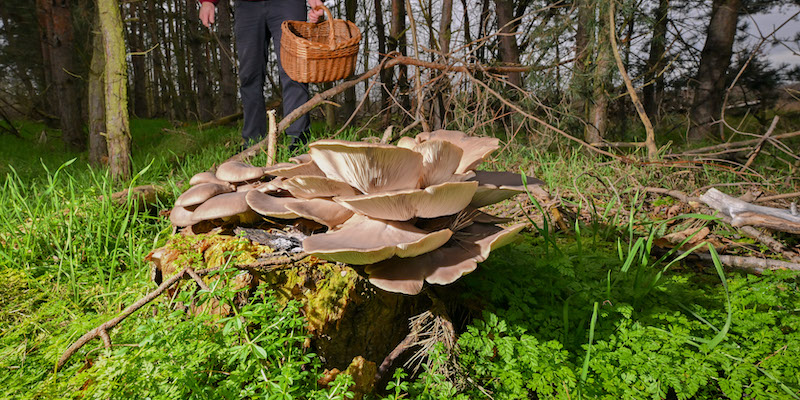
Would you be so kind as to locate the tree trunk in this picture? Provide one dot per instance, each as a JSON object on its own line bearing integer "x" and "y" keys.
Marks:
{"x": 136, "y": 43}
{"x": 197, "y": 44}
{"x": 483, "y": 27}
{"x": 227, "y": 84}
{"x": 714, "y": 62}
{"x": 584, "y": 36}
{"x": 160, "y": 88}
{"x": 349, "y": 104}
{"x": 98, "y": 150}
{"x": 57, "y": 18}
{"x": 385, "y": 74}
{"x": 398, "y": 42}
{"x": 654, "y": 81}
{"x": 116, "y": 91}
{"x": 509, "y": 52}
{"x": 601, "y": 80}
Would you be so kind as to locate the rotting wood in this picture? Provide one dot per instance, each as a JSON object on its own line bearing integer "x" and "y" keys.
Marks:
{"x": 748, "y": 264}
{"x": 743, "y": 213}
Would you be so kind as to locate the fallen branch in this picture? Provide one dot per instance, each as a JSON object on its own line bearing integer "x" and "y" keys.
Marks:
{"x": 760, "y": 144}
{"x": 749, "y": 264}
{"x": 743, "y": 213}
{"x": 743, "y": 143}
{"x": 102, "y": 330}
{"x": 221, "y": 121}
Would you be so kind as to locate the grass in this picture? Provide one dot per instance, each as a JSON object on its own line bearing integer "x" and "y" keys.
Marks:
{"x": 589, "y": 312}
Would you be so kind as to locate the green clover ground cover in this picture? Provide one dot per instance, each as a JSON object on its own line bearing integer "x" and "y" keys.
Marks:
{"x": 569, "y": 316}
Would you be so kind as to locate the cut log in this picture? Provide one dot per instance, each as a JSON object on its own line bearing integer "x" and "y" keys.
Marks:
{"x": 746, "y": 214}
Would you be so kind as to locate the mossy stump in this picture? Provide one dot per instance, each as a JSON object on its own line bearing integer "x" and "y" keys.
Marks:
{"x": 347, "y": 316}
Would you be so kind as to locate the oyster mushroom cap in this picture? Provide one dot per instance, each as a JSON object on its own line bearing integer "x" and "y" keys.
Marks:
{"x": 368, "y": 167}
{"x": 200, "y": 193}
{"x": 235, "y": 171}
{"x": 498, "y": 186}
{"x": 206, "y": 177}
{"x": 363, "y": 240}
{"x": 223, "y": 206}
{"x": 434, "y": 201}
{"x": 301, "y": 158}
{"x": 271, "y": 206}
{"x": 180, "y": 216}
{"x": 288, "y": 170}
{"x": 475, "y": 148}
{"x": 440, "y": 159}
{"x": 326, "y": 212}
{"x": 444, "y": 265}
{"x": 309, "y": 187}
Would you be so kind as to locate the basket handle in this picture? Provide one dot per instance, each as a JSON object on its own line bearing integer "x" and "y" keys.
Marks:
{"x": 332, "y": 36}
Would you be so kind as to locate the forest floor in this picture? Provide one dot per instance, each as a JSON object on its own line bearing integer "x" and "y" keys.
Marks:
{"x": 588, "y": 303}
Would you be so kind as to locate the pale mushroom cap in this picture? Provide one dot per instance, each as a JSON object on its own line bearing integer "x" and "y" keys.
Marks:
{"x": 301, "y": 158}
{"x": 407, "y": 142}
{"x": 222, "y": 206}
{"x": 362, "y": 240}
{"x": 288, "y": 170}
{"x": 271, "y": 206}
{"x": 444, "y": 265}
{"x": 235, "y": 171}
{"x": 440, "y": 159}
{"x": 434, "y": 201}
{"x": 326, "y": 212}
{"x": 476, "y": 149}
{"x": 368, "y": 167}
{"x": 180, "y": 216}
{"x": 200, "y": 193}
{"x": 206, "y": 177}
{"x": 309, "y": 187}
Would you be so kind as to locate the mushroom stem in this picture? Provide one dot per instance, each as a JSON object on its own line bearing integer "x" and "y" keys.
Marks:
{"x": 272, "y": 135}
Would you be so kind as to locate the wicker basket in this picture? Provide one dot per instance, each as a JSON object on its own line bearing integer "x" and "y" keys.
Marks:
{"x": 321, "y": 52}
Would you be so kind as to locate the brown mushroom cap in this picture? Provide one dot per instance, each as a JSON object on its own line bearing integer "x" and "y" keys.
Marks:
{"x": 362, "y": 240}
{"x": 301, "y": 158}
{"x": 434, "y": 201}
{"x": 368, "y": 167}
{"x": 326, "y": 212}
{"x": 476, "y": 149}
{"x": 309, "y": 187}
{"x": 223, "y": 206}
{"x": 200, "y": 193}
{"x": 444, "y": 265}
{"x": 440, "y": 159}
{"x": 180, "y": 216}
{"x": 235, "y": 171}
{"x": 206, "y": 177}
{"x": 271, "y": 206}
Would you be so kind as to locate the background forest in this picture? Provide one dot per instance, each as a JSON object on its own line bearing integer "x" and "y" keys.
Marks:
{"x": 624, "y": 285}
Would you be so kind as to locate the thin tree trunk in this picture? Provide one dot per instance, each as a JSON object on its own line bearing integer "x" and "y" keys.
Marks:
{"x": 714, "y": 62}
{"x": 197, "y": 44}
{"x": 57, "y": 17}
{"x": 584, "y": 36}
{"x": 227, "y": 75}
{"x": 398, "y": 42}
{"x": 385, "y": 74}
{"x": 654, "y": 81}
{"x": 116, "y": 91}
{"x": 483, "y": 27}
{"x": 136, "y": 43}
{"x": 98, "y": 150}
{"x": 160, "y": 90}
{"x": 349, "y": 104}
{"x": 509, "y": 52}
{"x": 602, "y": 82}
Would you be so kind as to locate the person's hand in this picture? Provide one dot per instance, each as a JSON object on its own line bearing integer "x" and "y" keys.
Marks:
{"x": 207, "y": 10}
{"x": 314, "y": 15}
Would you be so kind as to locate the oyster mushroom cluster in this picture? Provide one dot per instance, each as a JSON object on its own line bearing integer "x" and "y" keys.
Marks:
{"x": 408, "y": 213}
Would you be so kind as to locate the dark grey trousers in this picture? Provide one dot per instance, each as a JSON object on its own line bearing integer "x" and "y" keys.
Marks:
{"x": 255, "y": 22}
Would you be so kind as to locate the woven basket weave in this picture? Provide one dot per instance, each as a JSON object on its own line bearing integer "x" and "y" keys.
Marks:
{"x": 321, "y": 52}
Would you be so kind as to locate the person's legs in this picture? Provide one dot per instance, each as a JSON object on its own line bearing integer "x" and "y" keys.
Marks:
{"x": 295, "y": 94}
{"x": 252, "y": 37}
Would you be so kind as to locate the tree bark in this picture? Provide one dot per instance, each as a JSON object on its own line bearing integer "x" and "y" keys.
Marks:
{"x": 714, "y": 62}
{"x": 385, "y": 75}
{"x": 199, "y": 67}
{"x": 349, "y": 104}
{"x": 509, "y": 52}
{"x": 398, "y": 42}
{"x": 601, "y": 80}
{"x": 58, "y": 39}
{"x": 228, "y": 104}
{"x": 584, "y": 36}
{"x": 161, "y": 84}
{"x": 116, "y": 90}
{"x": 136, "y": 43}
{"x": 654, "y": 81}
{"x": 98, "y": 150}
